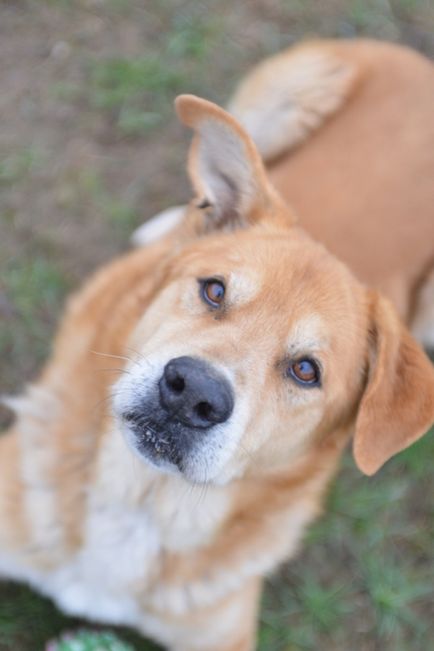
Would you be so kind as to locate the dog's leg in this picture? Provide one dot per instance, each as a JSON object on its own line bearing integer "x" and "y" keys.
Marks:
{"x": 158, "y": 226}
{"x": 13, "y": 524}
{"x": 230, "y": 625}
{"x": 32, "y": 532}
{"x": 423, "y": 322}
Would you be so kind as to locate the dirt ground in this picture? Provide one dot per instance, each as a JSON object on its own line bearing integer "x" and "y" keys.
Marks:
{"x": 89, "y": 148}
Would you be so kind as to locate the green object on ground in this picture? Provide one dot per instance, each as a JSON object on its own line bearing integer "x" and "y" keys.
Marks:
{"x": 88, "y": 641}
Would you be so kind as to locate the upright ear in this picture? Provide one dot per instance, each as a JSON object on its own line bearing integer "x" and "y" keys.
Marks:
{"x": 397, "y": 407}
{"x": 225, "y": 168}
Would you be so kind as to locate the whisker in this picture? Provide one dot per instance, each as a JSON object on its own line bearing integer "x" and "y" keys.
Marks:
{"x": 120, "y": 370}
{"x": 136, "y": 352}
{"x": 111, "y": 395}
{"x": 204, "y": 486}
{"x": 188, "y": 491}
{"x": 124, "y": 358}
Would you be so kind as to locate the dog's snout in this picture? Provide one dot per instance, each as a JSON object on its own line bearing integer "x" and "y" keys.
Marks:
{"x": 194, "y": 393}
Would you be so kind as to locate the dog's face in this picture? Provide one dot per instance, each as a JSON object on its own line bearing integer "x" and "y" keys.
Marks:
{"x": 256, "y": 346}
{"x": 250, "y": 347}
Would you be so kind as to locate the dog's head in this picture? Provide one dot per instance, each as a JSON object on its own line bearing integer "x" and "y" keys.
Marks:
{"x": 260, "y": 344}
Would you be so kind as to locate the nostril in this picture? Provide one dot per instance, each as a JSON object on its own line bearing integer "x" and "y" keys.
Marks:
{"x": 177, "y": 384}
{"x": 174, "y": 379}
{"x": 204, "y": 410}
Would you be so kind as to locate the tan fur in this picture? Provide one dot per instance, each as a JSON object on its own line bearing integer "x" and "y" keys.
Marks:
{"x": 362, "y": 184}
{"x": 181, "y": 554}
{"x": 290, "y": 95}
{"x": 383, "y": 417}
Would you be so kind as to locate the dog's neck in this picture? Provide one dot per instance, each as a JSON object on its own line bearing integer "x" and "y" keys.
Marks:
{"x": 185, "y": 515}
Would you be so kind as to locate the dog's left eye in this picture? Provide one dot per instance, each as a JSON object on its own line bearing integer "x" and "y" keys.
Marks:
{"x": 305, "y": 371}
{"x": 212, "y": 291}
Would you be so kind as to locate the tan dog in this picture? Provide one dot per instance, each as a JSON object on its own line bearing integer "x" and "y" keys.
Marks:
{"x": 248, "y": 356}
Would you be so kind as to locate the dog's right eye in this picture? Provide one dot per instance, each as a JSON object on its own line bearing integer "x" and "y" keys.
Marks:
{"x": 212, "y": 291}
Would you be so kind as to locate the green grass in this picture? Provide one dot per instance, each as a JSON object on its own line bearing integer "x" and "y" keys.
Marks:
{"x": 366, "y": 574}
{"x": 26, "y": 620}
{"x": 394, "y": 588}
{"x": 137, "y": 94}
{"x": 119, "y": 213}
{"x": 34, "y": 290}
{"x": 134, "y": 91}
{"x": 29, "y": 621}
{"x": 16, "y": 167}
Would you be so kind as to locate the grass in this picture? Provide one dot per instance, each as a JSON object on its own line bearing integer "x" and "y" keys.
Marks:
{"x": 33, "y": 291}
{"x": 120, "y": 213}
{"x": 15, "y": 167}
{"x": 365, "y": 576}
{"x": 136, "y": 93}
{"x": 28, "y": 621}
{"x": 394, "y": 588}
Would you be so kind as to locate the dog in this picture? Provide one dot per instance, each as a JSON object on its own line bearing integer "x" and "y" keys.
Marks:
{"x": 243, "y": 354}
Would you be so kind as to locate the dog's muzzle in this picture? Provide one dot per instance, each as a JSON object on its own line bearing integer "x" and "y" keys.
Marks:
{"x": 190, "y": 399}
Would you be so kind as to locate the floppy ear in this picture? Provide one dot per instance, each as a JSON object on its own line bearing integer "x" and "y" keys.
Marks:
{"x": 224, "y": 165}
{"x": 398, "y": 403}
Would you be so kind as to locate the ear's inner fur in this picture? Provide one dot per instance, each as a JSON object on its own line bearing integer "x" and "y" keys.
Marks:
{"x": 224, "y": 165}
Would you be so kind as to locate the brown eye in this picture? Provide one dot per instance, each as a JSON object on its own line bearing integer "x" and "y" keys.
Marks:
{"x": 212, "y": 292}
{"x": 305, "y": 371}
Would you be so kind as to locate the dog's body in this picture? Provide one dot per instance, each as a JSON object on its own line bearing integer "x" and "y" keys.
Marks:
{"x": 344, "y": 183}
{"x": 248, "y": 355}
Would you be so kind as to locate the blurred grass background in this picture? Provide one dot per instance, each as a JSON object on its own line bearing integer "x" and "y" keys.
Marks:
{"x": 89, "y": 148}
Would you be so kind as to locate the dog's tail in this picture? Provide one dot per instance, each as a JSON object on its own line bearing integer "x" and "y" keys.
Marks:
{"x": 286, "y": 97}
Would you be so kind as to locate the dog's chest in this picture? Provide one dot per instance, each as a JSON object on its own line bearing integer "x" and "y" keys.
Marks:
{"x": 118, "y": 558}
{"x": 132, "y": 521}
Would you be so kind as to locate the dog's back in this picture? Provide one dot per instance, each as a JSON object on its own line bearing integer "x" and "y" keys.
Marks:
{"x": 347, "y": 130}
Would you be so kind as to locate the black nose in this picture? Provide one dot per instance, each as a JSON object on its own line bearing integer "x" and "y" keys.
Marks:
{"x": 194, "y": 393}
